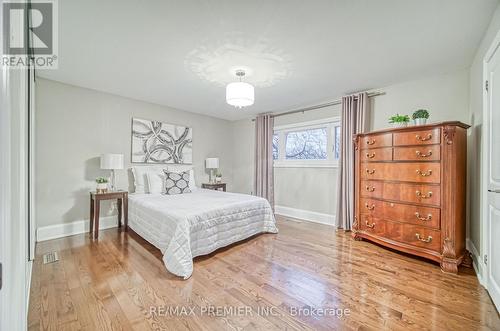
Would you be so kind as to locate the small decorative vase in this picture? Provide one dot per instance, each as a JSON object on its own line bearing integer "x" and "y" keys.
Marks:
{"x": 101, "y": 188}
{"x": 400, "y": 124}
{"x": 420, "y": 121}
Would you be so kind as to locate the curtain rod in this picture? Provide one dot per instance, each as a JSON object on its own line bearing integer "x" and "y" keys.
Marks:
{"x": 323, "y": 105}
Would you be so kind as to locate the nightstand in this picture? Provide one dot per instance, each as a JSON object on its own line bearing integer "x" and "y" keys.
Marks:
{"x": 214, "y": 186}
{"x": 95, "y": 206}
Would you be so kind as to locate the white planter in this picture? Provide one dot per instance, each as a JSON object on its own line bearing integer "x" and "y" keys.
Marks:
{"x": 218, "y": 179}
{"x": 420, "y": 121}
{"x": 400, "y": 125}
{"x": 102, "y": 187}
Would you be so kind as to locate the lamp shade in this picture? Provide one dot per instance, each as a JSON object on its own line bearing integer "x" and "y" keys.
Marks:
{"x": 112, "y": 161}
{"x": 212, "y": 163}
{"x": 240, "y": 94}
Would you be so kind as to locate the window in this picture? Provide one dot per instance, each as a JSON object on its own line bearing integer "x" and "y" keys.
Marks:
{"x": 309, "y": 144}
{"x": 337, "y": 142}
{"x": 275, "y": 146}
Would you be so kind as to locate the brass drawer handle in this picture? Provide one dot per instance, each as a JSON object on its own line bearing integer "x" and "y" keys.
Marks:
{"x": 419, "y": 137}
{"x": 370, "y": 188}
{"x": 424, "y": 174}
{"x": 372, "y": 207}
{"x": 370, "y": 172}
{"x": 370, "y": 156}
{"x": 429, "y": 153}
{"x": 371, "y": 226}
{"x": 428, "y": 218}
{"x": 423, "y": 196}
{"x": 428, "y": 240}
{"x": 370, "y": 141}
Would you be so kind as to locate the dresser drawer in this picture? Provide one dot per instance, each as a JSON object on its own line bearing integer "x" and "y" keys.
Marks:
{"x": 372, "y": 225}
{"x": 422, "y": 237}
{"x": 377, "y": 154}
{"x": 372, "y": 189}
{"x": 420, "y": 137}
{"x": 398, "y": 212}
{"x": 381, "y": 228}
{"x": 418, "y": 153}
{"x": 376, "y": 140}
{"x": 425, "y": 194}
{"x": 409, "y": 172}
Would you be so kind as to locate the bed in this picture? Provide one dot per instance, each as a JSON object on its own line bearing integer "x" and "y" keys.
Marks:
{"x": 184, "y": 226}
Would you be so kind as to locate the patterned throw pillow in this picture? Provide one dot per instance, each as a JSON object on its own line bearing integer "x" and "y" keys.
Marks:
{"x": 176, "y": 182}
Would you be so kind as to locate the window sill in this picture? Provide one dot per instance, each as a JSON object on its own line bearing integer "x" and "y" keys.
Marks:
{"x": 304, "y": 165}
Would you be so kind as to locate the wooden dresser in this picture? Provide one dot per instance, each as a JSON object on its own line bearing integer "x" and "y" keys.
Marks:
{"x": 410, "y": 190}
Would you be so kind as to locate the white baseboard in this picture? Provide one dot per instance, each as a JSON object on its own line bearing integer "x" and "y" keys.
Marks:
{"x": 69, "y": 229}
{"x": 477, "y": 261}
{"x": 305, "y": 215}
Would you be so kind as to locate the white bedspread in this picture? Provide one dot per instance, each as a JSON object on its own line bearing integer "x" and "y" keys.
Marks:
{"x": 183, "y": 226}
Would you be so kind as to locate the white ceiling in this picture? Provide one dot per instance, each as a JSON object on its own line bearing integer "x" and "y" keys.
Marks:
{"x": 181, "y": 53}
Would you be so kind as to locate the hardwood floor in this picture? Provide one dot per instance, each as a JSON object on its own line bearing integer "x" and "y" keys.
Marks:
{"x": 120, "y": 283}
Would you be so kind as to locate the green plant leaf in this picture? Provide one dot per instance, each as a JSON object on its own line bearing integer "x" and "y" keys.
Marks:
{"x": 420, "y": 113}
{"x": 399, "y": 119}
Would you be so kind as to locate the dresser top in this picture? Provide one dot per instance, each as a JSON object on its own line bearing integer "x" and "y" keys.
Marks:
{"x": 417, "y": 127}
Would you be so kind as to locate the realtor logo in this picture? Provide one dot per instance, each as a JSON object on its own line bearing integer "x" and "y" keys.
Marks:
{"x": 30, "y": 34}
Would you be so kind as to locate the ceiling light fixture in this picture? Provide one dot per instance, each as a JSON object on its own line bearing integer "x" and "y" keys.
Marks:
{"x": 240, "y": 94}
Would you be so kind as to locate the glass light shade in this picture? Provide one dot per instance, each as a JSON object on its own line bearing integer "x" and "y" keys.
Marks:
{"x": 240, "y": 94}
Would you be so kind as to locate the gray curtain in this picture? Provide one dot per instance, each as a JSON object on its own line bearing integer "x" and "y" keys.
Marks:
{"x": 354, "y": 119}
{"x": 264, "y": 175}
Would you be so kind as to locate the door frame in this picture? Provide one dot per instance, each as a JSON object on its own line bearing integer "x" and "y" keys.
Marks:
{"x": 484, "y": 224}
{"x": 13, "y": 196}
{"x": 5, "y": 203}
{"x": 13, "y": 246}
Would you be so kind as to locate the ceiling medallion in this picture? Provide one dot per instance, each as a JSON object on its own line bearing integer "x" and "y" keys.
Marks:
{"x": 216, "y": 59}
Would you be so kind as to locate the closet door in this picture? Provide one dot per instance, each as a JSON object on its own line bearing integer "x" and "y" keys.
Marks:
{"x": 492, "y": 175}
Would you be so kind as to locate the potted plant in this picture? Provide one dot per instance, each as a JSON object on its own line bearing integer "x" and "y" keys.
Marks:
{"x": 218, "y": 176}
{"x": 420, "y": 116}
{"x": 102, "y": 184}
{"x": 399, "y": 121}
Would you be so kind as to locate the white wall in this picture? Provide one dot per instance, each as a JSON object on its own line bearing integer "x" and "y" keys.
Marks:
{"x": 311, "y": 189}
{"x": 243, "y": 156}
{"x": 315, "y": 189}
{"x": 445, "y": 96}
{"x": 476, "y": 131}
{"x": 76, "y": 125}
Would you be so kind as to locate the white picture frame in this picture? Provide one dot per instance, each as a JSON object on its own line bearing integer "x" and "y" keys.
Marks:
{"x": 161, "y": 143}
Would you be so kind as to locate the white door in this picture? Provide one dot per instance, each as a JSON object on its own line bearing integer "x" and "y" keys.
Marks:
{"x": 492, "y": 172}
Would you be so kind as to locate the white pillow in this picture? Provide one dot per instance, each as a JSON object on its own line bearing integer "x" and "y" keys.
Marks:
{"x": 155, "y": 182}
{"x": 140, "y": 179}
{"x": 182, "y": 168}
{"x": 141, "y": 182}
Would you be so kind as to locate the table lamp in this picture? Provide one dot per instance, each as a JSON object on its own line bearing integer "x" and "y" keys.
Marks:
{"x": 212, "y": 163}
{"x": 112, "y": 162}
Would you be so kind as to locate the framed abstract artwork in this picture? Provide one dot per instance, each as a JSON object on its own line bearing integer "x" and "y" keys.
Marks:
{"x": 158, "y": 142}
